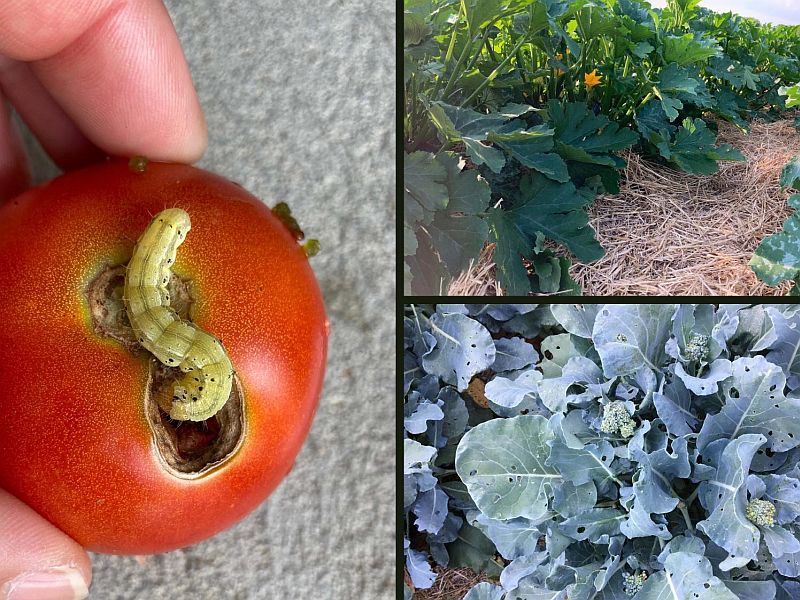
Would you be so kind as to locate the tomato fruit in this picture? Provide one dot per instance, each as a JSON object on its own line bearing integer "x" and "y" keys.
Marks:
{"x": 79, "y": 440}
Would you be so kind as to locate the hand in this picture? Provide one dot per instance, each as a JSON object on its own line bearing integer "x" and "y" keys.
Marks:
{"x": 89, "y": 77}
{"x": 94, "y": 77}
{"x": 37, "y": 561}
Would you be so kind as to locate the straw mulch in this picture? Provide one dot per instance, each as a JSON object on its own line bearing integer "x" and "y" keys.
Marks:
{"x": 451, "y": 584}
{"x": 670, "y": 233}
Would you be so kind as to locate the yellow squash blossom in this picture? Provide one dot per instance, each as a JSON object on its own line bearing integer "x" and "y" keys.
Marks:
{"x": 592, "y": 79}
{"x": 560, "y": 56}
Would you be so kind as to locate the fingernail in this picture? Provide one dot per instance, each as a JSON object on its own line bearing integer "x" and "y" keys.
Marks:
{"x": 59, "y": 583}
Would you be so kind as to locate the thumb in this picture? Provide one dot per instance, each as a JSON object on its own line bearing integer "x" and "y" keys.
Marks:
{"x": 37, "y": 561}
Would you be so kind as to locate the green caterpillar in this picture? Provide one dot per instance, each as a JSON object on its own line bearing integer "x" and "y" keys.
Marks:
{"x": 208, "y": 373}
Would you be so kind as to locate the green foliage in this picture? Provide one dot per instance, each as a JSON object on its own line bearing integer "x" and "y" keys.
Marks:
{"x": 674, "y": 84}
{"x": 443, "y": 229}
{"x": 502, "y": 84}
{"x": 693, "y": 148}
{"x": 790, "y": 175}
{"x": 793, "y": 94}
{"x": 688, "y": 49}
{"x": 542, "y": 208}
{"x": 777, "y": 257}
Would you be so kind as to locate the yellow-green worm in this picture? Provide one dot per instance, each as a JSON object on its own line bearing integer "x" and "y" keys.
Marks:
{"x": 207, "y": 377}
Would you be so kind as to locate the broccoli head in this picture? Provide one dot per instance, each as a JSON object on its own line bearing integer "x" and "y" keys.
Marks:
{"x": 617, "y": 420}
{"x": 633, "y": 582}
{"x": 697, "y": 347}
{"x": 760, "y": 512}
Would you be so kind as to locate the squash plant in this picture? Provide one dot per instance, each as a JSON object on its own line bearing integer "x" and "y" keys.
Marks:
{"x": 514, "y": 110}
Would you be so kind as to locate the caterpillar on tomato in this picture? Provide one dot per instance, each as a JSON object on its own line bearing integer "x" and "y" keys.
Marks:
{"x": 207, "y": 377}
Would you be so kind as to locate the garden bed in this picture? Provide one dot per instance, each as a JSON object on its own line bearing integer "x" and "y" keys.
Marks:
{"x": 673, "y": 233}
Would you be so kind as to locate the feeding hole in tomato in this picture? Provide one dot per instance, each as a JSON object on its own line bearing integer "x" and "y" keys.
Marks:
{"x": 188, "y": 449}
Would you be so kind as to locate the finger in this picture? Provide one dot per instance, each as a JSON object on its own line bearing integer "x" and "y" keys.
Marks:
{"x": 117, "y": 70}
{"x": 14, "y": 173}
{"x": 33, "y": 29}
{"x": 38, "y": 561}
{"x": 57, "y": 133}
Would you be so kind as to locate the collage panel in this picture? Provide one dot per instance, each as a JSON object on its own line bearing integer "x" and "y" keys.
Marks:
{"x": 600, "y": 451}
{"x": 611, "y": 147}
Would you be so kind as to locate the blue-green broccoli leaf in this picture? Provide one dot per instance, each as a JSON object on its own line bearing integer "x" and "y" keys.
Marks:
{"x": 570, "y": 500}
{"x": 788, "y": 564}
{"x": 632, "y": 337}
{"x": 580, "y": 382}
{"x": 474, "y": 550}
{"x": 755, "y": 403}
{"x": 418, "y": 567}
{"x": 674, "y": 407}
{"x": 447, "y": 534}
{"x": 652, "y": 489}
{"x": 784, "y": 350}
{"x": 508, "y": 397}
{"x": 725, "y": 497}
{"x": 593, "y": 524}
{"x": 577, "y": 319}
{"x": 512, "y": 354}
{"x": 751, "y": 590}
{"x": 431, "y": 510}
{"x": 503, "y": 462}
{"x": 780, "y": 541}
{"x": 485, "y": 591}
{"x": 686, "y": 576}
{"x": 592, "y": 462}
{"x": 784, "y": 492}
{"x": 454, "y": 422}
{"x": 417, "y": 422}
{"x": 416, "y": 457}
{"x": 707, "y": 382}
{"x": 513, "y": 537}
{"x": 520, "y": 568}
{"x": 459, "y": 346}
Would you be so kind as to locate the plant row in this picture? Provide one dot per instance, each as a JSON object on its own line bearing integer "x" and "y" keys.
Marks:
{"x": 515, "y": 110}
{"x": 609, "y": 452}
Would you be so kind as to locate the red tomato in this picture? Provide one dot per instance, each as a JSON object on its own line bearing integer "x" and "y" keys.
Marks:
{"x": 75, "y": 440}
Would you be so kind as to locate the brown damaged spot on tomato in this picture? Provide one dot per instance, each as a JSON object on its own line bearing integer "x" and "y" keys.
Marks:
{"x": 187, "y": 449}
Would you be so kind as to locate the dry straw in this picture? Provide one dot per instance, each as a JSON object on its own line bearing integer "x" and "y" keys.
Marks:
{"x": 450, "y": 584}
{"x": 671, "y": 233}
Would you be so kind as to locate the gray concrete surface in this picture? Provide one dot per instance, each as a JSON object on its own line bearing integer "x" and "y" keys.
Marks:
{"x": 300, "y": 103}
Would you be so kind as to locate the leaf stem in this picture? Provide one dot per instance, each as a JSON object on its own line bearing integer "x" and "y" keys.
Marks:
{"x": 693, "y": 496}
{"x": 494, "y": 73}
{"x": 686, "y": 517}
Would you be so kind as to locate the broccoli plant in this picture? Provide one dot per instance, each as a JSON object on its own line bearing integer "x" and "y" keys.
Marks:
{"x": 604, "y": 452}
